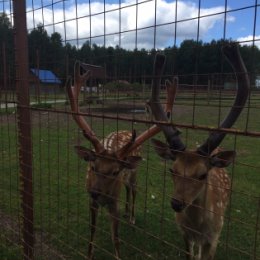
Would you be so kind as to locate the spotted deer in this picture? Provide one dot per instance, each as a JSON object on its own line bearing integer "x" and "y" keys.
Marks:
{"x": 201, "y": 183}
{"x": 112, "y": 163}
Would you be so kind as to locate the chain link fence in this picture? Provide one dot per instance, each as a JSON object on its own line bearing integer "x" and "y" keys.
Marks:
{"x": 44, "y": 205}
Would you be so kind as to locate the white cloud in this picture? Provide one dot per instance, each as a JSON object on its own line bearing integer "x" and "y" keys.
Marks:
{"x": 136, "y": 28}
{"x": 248, "y": 40}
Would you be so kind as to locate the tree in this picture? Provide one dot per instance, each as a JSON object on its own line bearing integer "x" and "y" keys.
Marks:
{"x": 39, "y": 47}
{"x": 5, "y": 27}
{"x": 6, "y": 48}
{"x": 191, "y": 59}
{"x": 57, "y": 54}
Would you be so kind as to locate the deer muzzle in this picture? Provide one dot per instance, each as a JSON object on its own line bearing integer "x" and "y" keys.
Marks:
{"x": 177, "y": 205}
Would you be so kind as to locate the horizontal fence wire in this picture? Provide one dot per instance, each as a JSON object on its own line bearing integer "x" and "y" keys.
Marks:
{"x": 118, "y": 41}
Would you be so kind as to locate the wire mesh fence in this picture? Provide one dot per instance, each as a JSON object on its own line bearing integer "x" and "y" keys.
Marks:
{"x": 117, "y": 41}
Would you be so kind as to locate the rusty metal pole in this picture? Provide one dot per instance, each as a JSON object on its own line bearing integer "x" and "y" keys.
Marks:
{"x": 24, "y": 126}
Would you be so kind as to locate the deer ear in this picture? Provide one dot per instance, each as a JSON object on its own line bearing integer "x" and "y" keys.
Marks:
{"x": 85, "y": 153}
{"x": 163, "y": 150}
{"x": 132, "y": 162}
{"x": 222, "y": 159}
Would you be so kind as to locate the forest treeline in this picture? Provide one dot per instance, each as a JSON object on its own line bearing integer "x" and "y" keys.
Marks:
{"x": 191, "y": 58}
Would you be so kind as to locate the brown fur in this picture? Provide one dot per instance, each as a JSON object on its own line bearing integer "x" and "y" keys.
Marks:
{"x": 200, "y": 197}
{"x": 202, "y": 220}
{"x": 106, "y": 166}
{"x": 106, "y": 173}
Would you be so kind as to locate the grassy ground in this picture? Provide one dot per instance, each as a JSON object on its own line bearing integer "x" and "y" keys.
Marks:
{"x": 61, "y": 202}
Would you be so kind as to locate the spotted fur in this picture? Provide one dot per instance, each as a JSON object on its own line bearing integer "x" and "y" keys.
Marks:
{"x": 110, "y": 186}
{"x": 113, "y": 142}
{"x": 200, "y": 197}
{"x": 108, "y": 170}
{"x": 202, "y": 221}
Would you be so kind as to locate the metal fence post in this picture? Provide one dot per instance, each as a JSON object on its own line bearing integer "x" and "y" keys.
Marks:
{"x": 24, "y": 126}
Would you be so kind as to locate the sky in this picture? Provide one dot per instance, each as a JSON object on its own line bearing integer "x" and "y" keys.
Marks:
{"x": 132, "y": 26}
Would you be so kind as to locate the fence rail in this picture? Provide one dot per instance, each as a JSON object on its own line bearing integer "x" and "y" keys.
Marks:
{"x": 44, "y": 205}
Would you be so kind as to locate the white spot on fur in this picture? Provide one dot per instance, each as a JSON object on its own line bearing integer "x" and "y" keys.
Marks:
{"x": 220, "y": 204}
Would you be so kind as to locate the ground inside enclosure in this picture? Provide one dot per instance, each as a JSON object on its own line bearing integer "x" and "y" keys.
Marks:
{"x": 61, "y": 202}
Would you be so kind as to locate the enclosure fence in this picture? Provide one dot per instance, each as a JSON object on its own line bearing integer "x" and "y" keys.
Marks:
{"x": 45, "y": 206}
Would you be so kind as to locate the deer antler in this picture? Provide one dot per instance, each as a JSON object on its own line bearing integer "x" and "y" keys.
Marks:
{"x": 232, "y": 53}
{"x": 73, "y": 93}
{"x": 171, "y": 133}
{"x": 135, "y": 141}
{"x": 171, "y": 94}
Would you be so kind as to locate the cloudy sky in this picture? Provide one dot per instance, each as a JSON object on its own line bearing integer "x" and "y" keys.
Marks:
{"x": 129, "y": 25}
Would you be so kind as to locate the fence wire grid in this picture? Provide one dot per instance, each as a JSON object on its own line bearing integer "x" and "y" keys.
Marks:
{"x": 44, "y": 205}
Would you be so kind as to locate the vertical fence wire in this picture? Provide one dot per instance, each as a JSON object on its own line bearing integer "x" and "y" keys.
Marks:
{"x": 61, "y": 32}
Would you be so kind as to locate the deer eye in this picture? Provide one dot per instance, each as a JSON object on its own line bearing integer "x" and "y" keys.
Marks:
{"x": 203, "y": 176}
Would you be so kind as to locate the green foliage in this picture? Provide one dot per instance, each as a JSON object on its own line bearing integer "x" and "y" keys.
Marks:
{"x": 8, "y": 252}
{"x": 6, "y": 45}
{"x": 5, "y": 27}
{"x": 7, "y": 111}
{"x": 46, "y": 51}
{"x": 42, "y": 105}
{"x": 191, "y": 57}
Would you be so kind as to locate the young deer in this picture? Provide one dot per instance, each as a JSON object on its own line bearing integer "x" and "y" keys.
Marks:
{"x": 201, "y": 184}
{"x": 113, "y": 161}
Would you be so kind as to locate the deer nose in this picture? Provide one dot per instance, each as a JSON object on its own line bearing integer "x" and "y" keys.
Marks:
{"x": 177, "y": 205}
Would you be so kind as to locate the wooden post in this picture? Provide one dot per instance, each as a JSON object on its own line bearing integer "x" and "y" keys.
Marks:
{"x": 24, "y": 127}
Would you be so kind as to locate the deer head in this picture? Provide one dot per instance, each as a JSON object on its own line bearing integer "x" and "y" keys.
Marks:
{"x": 190, "y": 171}
{"x": 105, "y": 169}
{"x": 191, "y": 167}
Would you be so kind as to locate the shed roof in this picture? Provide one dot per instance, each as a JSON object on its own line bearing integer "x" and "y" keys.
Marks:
{"x": 97, "y": 72}
{"x": 46, "y": 76}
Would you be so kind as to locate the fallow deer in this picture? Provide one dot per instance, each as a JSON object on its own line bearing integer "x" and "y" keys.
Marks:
{"x": 201, "y": 183}
{"x": 113, "y": 161}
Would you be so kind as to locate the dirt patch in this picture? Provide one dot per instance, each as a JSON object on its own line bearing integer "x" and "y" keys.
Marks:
{"x": 10, "y": 231}
{"x": 125, "y": 110}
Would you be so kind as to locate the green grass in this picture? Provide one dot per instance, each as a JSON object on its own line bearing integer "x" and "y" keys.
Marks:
{"x": 61, "y": 202}
{"x": 7, "y": 111}
{"x": 8, "y": 251}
